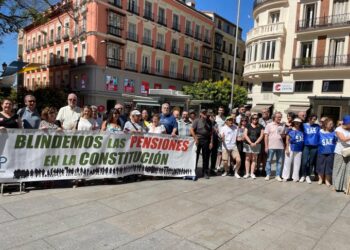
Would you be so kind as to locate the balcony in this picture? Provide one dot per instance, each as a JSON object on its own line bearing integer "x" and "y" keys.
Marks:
{"x": 217, "y": 65}
{"x": 207, "y": 40}
{"x": 324, "y": 22}
{"x": 160, "y": 45}
{"x": 262, "y": 67}
{"x": 148, "y": 15}
{"x": 51, "y": 41}
{"x": 65, "y": 36}
{"x": 114, "y": 62}
{"x": 38, "y": 45}
{"x": 187, "y": 53}
{"x": 198, "y": 36}
{"x": 321, "y": 62}
{"x": 58, "y": 38}
{"x": 130, "y": 66}
{"x": 114, "y": 30}
{"x": 206, "y": 59}
{"x": 44, "y": 43}
{"x": 196, "y": 57}
{"x": 133, "y": 9}
{"x": 147, "y": 41}
{"x": 176, "y": 27}
{"x": 175, "y": 50}
{"x": 189, "y": 32}
{"x": 273, "y": 29}
{"x": 146, "y": 70}
{"x": 162, "y": 20}
{"x": 132, "y": 36}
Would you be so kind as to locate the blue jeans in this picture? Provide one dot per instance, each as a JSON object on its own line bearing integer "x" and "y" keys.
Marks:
{"x": 279, "y": 154}
{"x": 308, "y": 162}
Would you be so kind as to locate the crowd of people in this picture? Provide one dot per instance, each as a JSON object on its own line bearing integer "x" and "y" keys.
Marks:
{"x": 243, "y": 144}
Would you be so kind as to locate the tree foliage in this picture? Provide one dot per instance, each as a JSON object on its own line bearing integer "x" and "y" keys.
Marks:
{"x": 219, "y": 92}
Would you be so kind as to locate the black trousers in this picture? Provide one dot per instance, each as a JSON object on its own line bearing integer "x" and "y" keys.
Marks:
{"x": 213, "y": 157}
{"x": 203, "y": 145}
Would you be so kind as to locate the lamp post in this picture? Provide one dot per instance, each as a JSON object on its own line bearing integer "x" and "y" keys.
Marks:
{"x": 235, "y": 55}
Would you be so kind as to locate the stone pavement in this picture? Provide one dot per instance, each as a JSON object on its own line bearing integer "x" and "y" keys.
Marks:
{"x": 220, "y": 213}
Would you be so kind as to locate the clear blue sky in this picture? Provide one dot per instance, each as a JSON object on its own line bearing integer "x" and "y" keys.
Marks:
{"x": 225, "y": 8}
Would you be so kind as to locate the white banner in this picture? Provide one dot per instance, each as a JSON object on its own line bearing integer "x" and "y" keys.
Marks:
{"x": 283, "y": 87}
{"x": 36, "y": 155}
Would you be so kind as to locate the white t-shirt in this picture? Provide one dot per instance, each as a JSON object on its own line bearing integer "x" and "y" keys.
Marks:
{"x": 87, "y": 124}
{"x": 341, "y": 145}
{"x": 156, "y": 130}
{"x": 68, "y": 117}
{"x": 230, "y": 134}
{"x": 220, "y": 122}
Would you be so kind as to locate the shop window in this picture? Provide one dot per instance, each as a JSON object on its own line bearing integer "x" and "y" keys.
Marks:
{"x": 332, "y": 86}
{"x": 303, "y": 86}
{"x": 266, "y": 86}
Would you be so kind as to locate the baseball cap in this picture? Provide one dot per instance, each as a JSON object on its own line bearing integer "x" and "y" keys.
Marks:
{"x": 135, "y": 112}
{"x": 346, "y": 120}
{"x": 228, "y": 118}
{"x": 297, "y": 120}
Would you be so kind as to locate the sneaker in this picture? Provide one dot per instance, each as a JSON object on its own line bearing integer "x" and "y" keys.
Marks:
{"x": 237, "y": 176}
{"x": 302, "y": 179}
{"x": 224, "y": 174}
{"x": 246, "y": 176}
{"x": 285, "y": 179}
{"x": 296, "y": 180}
{"x": 267, "y": 178}
{"x": 308, "y": 180}
{"x": 278, "y": 178}
{"x": 253, "y": 176}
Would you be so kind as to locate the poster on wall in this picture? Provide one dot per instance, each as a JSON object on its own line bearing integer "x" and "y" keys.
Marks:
{"x": 172, "y": 87}
{"x": 129, "y": 86}
{"x": 111, "y": 83}
{"x": 144, "y": 88}
{"x": 157, "y": 86}
{"x": 83, "y": 81}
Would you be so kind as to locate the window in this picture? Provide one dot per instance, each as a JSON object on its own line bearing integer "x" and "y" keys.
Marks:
{"x": 83, "y": 26}
{"x": 148, "y": 10}
{"x": 58, "y": 35}
{"x": 336, "y": 52}
{"x": 51, "y": 35}
{"x": 268, "y": 50}
{"x": 66, "y": 55}
{"x": 303, "y": 86}
{"x": 66, "y": 28}
{"x": 83, "y": 53}
{"x": 274, "y": 17}
{"x": 132, "y": 32}
{"x": 146, "y": 64}
{"x": 58, "y": 57}
{"x": 114, "y": 19}
{"x": 306, "y": 50}
{"x": 332, "y": 86}
{"x": 159, "y": 66}
{"x": 51, "y": 58}
{"x": 194, "y": 74}
{"x": 147, "y": 36}
{"x": 266, "y": 86}
{"x": 197, "y": 31}
{"x": 173, "y": 69}
{"x": 187, "y": 50}
{"x": 224, "y": 46}
{"x": 44, "y": 59}
{"x": 130, "y": 60}
{"x": 219, "y": 24}
{"x": 161, "y": 16}
{"x": 176, "y": 22}
{"x": 174, "y": 46}
{"x": 188, "y": 27}
{"x": 76, "y": 55}
{"x": 196, "y": 53}
{"x": 309, "y": 15}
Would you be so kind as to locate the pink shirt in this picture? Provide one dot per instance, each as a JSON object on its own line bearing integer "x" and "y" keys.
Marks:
{"x": 274, "y": 131}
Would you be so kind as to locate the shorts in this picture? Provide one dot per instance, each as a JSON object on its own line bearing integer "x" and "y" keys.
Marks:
{"x": 251, "y": 150}
{"x": 226, "y": 155}
{"x": 324, "y": 165}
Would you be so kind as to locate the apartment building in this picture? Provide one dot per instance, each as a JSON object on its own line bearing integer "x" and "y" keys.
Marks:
{"x": 104, "y": 49}
{"x": 298, "y": 56}
{"x": 224, "y": 49}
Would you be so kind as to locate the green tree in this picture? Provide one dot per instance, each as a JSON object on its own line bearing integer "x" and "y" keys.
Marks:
{"x": 219, "y": 92}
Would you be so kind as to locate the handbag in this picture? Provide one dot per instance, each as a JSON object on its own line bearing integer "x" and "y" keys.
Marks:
{"x": 345, "y": 152}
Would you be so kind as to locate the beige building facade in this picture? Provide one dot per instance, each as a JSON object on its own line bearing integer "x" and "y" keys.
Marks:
{"x": 297, "y": 56}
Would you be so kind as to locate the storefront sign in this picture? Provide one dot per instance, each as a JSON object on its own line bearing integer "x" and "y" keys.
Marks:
{"x": 172, "y": 87}
{"x": 157, "y": 86}
{"x": 283, "y": 87}
{"x": 129, "y": 86}
{"x": 111, "y": 83}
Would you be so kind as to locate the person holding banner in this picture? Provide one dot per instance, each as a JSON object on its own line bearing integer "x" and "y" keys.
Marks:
{"x": 112, "y": 124}
{"x": 29, "y": 115}
{"x": 133, "y": 125}
{"x": 155, "y": 127}
{"x": 48, "y": 116}
{"x": 168, "y": 120}
{"x": 69, "y": 115}
{"x": 86, "y": 122}
{"x": 7, "y": 118}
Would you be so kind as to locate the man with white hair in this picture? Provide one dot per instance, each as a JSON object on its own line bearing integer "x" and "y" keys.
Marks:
{"x": 29, "y": 115}
{"x": 70, "y": 114}
{"x": 122, "y": 117}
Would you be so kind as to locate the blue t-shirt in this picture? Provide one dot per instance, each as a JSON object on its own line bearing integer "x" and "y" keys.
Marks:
{"x": 327, "y": 142}
{"x": 296, "y": 140}
{"x": 169, "y": 122}
{"x": 311, "y": 134}
{"x": 30, "y": 120}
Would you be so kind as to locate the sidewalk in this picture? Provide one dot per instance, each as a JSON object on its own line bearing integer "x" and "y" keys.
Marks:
{"x": 219, "y": 213}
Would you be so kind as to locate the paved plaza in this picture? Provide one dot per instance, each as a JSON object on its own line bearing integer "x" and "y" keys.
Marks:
{"x": 219, "y": 213}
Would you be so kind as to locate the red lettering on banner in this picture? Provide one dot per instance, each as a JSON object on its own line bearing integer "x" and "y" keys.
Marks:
{"x": 170, "y": 144}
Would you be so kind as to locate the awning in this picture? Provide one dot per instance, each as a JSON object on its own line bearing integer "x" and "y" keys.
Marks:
{"x": 298, "y": 108}
{"x": 259, "y": 107}
{"x": 148, "y": 104}
{"x": 31, "y": 66}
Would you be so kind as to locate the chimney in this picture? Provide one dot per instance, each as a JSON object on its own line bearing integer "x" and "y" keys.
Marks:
{"x": 191, "y": 3}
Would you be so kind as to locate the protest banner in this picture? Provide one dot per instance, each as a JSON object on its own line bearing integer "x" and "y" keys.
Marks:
{"x": 36, "y": 155}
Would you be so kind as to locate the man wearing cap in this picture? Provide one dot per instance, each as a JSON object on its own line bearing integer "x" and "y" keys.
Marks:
{"x": 168, "y": 120}
{"x": 202, "y": 132}
{"x": 133, "y": 125}
{"x": 229, "y": 146}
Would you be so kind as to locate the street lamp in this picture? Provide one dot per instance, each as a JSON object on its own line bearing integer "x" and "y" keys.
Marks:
{"x": 235, "y": 55}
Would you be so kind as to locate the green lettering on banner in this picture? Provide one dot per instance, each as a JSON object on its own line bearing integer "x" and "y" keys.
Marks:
{"x": 77, "y": 141}
{"x": 83, "y": 161}
{"x": 51, "y": 160}
{"x": 69, "y": 160}
{"x": 20, "y": 141}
